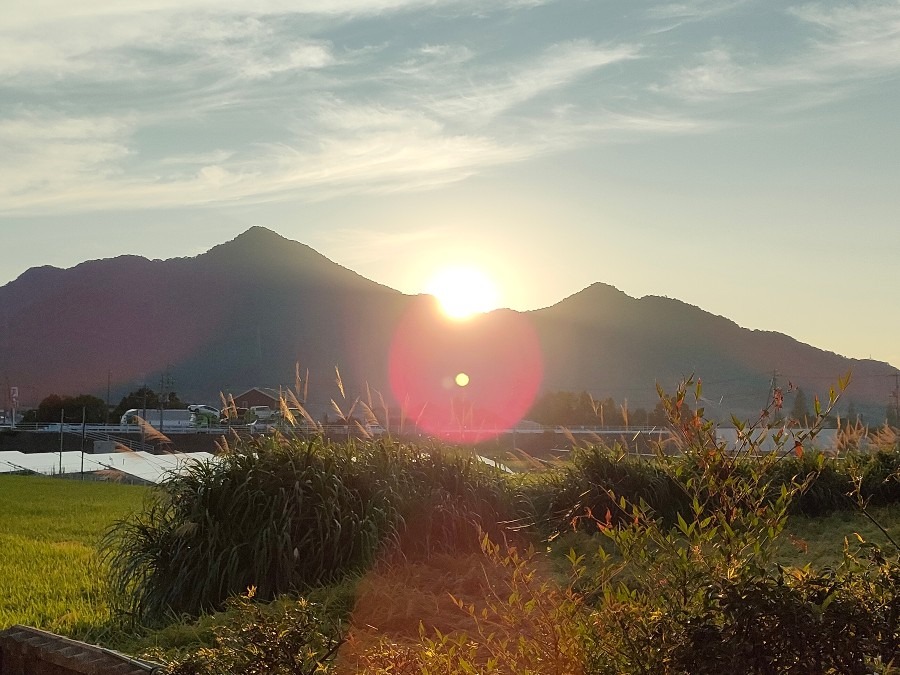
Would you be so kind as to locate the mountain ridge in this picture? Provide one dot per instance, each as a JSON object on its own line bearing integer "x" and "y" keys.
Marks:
{"x": 244, "y": 312}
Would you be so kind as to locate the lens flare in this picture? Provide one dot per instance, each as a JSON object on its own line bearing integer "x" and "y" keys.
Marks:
{"x": 464, "y": 381}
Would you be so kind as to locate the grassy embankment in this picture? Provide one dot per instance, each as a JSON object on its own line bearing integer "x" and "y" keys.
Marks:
{"x": 50, "y": 576}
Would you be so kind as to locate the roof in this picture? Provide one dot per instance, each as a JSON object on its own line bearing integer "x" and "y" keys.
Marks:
{"x": 265, "y": 391}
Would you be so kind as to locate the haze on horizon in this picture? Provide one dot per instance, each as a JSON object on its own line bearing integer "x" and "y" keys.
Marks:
{"x": 740, "y": 156}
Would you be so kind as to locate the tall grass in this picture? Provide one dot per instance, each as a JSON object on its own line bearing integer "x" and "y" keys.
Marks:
{"x": 284, "y": 514}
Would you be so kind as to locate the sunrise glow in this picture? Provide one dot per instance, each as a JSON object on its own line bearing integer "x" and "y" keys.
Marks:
{"x": 463, "y": 292}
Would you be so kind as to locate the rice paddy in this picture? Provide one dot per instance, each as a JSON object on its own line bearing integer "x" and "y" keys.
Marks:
{"x": 50, "y": 576}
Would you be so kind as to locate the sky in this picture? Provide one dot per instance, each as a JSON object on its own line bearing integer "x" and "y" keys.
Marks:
{"x": 740, "y": 156}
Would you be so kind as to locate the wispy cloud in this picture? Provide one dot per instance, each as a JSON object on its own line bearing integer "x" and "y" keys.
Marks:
{"x": 716, "y": 74}
{"x": 858, "y": 38}
{"x": 559, "y": 66}
{"x": 205, "y": 102}
{"x": 165, "y": 48}
{"x": 847, "y": 44}
{"x": 693, "y": 10}
{"x": 47, "y": 156}
{"x": 335, "y": 121}
{"x": 78, "y": 164}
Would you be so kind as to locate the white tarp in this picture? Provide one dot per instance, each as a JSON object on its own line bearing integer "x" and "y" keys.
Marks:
{"x": 142, "y": 465}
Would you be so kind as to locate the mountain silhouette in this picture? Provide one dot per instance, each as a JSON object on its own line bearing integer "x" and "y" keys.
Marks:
{"x": 246, "y": 311}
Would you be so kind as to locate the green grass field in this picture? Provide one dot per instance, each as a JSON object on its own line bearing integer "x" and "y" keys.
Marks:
{"x": 50, "y": 576}
{"x": 49, "y": 528}
{"x": 820, "y": 541}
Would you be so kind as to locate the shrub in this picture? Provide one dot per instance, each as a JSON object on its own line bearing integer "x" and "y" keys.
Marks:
{"x": 282, "y": 515}
{"x": 880, "y": 484}
{"x": 283, "y": 639}
{"x": 705, "y": 596}
{"x": 448, "y": 499}
{"x": 683, "y": 581}
{"x": 596, "y": 477}
{"x": 274, "y": 516}
{"x": 826, "y": 491}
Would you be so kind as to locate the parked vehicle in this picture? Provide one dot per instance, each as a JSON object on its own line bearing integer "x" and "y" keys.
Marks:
{"x": 205, "y": 415}
{"x": 235, "y": 416}
{"x": 263, "y": 413}
{"x": 165, "y": 419}
{"x": 262, "y": 426}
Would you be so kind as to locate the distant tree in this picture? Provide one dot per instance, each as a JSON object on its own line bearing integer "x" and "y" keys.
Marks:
{"x": 147, "y": 397}
{"x": 50, "y": 409}
{"x": 87, "y": 407}
{"x": 585, "y": 412}
{"x": 640, "y": 417}
{"x": 94, "y": 408}
{"x": 657, "y": 417}
{"x": 800, "y": 409}
{"x": 555, "y": 407}
{"x": 610, "y": 413}
{"x": 566, "y": 408}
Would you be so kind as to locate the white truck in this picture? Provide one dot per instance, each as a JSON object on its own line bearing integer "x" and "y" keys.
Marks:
{"x": 169, "y": 420}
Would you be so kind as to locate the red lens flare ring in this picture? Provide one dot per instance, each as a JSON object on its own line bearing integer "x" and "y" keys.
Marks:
{"x": 464, "y": 381}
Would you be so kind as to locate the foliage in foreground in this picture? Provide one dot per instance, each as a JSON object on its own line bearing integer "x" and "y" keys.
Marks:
{"x": 702, "y": 596}
{"x": 526, "y": 625}
{"x": 683, "y": 579}
{"x": 282, "y": 515}
{"x": 289, "y": 639}
{"x": 706, "y": 597}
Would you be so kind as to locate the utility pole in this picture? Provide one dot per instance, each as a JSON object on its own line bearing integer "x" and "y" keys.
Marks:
{"x": 62, "y": 420}
{"x": 895, "y": 395}
{"x": 165, "y": 383}
{"x": 144, "y": 413}
{"x": 773, "y": 385}
{"x": 83, "y": 434}
{"x": 13, "y": 404}
{"x": 162, "y": 402}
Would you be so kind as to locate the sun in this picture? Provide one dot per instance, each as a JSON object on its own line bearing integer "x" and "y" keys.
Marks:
{"x": 463, "y": 292}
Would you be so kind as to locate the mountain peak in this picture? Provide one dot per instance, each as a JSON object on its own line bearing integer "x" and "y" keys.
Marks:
{"x": 591, "y": 296}
{"x": 262, "y": 246}
{"x": 258, "y": 239}
{"x": 264, "y": 254}
{"x": 258, "y": 233}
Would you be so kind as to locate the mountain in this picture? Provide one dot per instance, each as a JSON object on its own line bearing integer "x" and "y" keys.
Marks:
{"x": 237, "y": 316}
{"x": 600, "y": 340}
{"x": 243, "y": 313}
